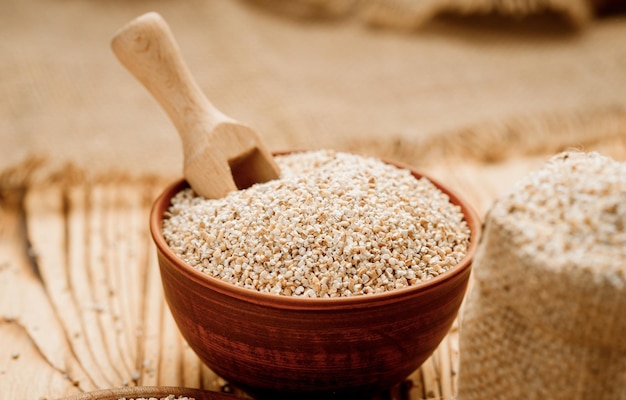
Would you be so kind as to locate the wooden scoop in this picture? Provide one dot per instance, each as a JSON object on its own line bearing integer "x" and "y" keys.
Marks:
{"x": 220, "y": 154}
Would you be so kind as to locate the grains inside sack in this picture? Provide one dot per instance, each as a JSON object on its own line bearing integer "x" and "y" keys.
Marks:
{"x": 573, "y": 212}
{"x": 334, "y": 224}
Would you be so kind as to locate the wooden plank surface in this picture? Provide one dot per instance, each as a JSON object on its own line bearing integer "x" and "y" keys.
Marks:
{"x": 82, "y": 306}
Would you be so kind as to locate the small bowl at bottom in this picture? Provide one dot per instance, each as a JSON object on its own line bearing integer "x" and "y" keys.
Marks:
{"x": 151, "y": 392}
{"x": 274, "y": 346}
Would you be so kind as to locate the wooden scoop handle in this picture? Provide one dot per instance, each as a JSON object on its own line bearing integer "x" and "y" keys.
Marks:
{"x": 221, "y": 154}
{"x": 147, "y": 48}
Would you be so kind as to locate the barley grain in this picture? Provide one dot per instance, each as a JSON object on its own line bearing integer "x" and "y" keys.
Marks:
{"x": 573, "y": 212}
{"x": 169, "y": 397}
{"x": 334, "y": 224}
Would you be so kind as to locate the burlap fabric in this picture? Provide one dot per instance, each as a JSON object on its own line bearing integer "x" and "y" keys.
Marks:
{"x": 412, "y": 14}
{"x": 313, "y": 82}
{"x": 546, "y": 317}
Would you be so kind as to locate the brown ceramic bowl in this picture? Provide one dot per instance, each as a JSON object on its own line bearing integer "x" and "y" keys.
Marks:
{"x": 276, "y": 346}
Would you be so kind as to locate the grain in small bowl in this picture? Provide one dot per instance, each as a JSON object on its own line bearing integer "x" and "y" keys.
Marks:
{"x": 152, "y": 393}
{"x": 338, "y": 279}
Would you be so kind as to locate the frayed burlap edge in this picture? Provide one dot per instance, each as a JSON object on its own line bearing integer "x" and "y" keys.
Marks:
{"x": 411, "y": 14}
{"x": 602, "y": 129}
{"x": 41, "y": 171}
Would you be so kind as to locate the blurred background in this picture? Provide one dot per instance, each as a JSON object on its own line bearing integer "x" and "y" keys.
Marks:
{"x": 402, "y": 79}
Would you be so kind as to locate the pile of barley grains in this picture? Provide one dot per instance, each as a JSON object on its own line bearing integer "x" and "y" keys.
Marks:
{"x": 334, "y": 224}
{"x": 572, "y": 211}
{"x": 170, "y": 397}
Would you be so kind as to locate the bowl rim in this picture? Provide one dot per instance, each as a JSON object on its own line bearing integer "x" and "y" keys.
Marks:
{"x": 151, "y": 391}
{"x": 162, "y": 202}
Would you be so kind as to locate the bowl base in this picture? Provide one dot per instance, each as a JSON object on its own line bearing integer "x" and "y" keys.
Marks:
{"x": 357, "y": 394}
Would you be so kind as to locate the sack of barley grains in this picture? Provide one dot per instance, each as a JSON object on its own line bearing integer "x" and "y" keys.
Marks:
{"x": 546, "y": 317}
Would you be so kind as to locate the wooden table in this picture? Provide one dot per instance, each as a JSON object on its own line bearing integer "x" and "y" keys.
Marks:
{"x": 81, "y": 306}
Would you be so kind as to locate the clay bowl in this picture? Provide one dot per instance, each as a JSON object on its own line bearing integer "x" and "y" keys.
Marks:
{"x": 276, "y": 346}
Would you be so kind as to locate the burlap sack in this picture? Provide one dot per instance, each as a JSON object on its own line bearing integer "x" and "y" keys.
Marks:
{"x": 411, "y": 14}
{"x": 546, "y": 318}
